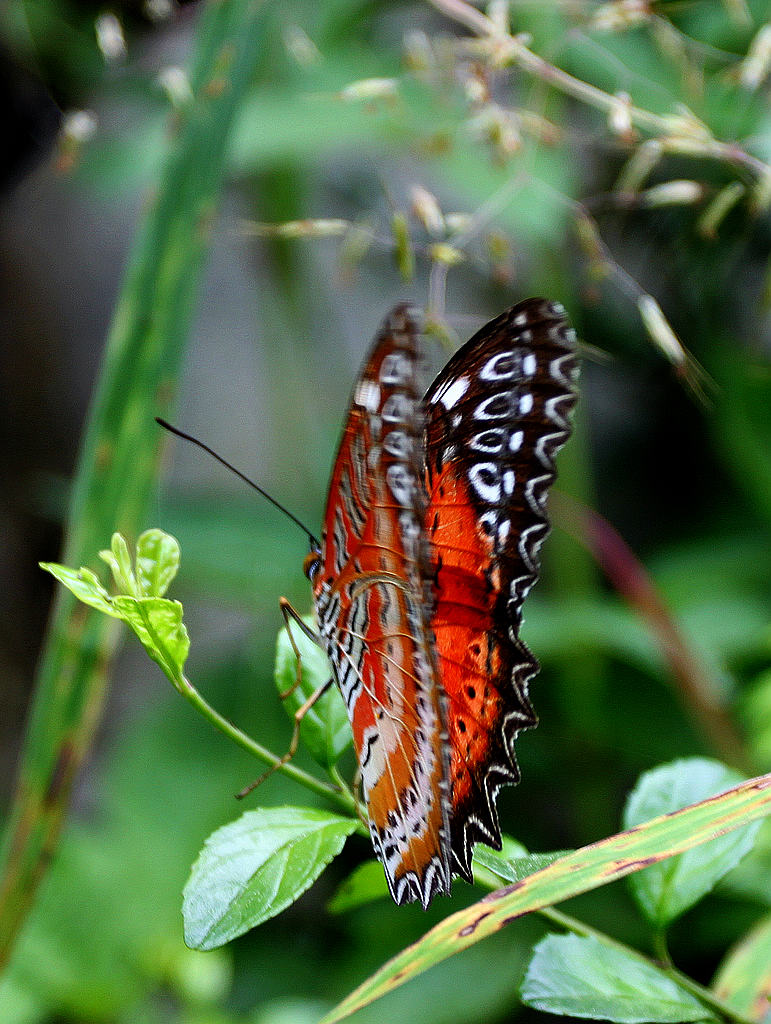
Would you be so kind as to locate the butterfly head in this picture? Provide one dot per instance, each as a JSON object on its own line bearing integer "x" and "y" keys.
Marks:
{"x": 312, "y": 562}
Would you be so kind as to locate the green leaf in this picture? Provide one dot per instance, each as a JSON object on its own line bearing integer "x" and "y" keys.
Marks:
{"x": 157, "y": 562}
{"x": 664, "y": 891}
{"x": 84, "y": 584}
{"x": 580, "y": 976}
{"x": 500, "y": 860}
{"x": 325, "y": 729}
{"x": 156, "y": 621}
{"x": 575, "y": 873}
{"x": 255, "y": 867}
{"x": 119, "y": 561}
{"x": 512, "y": 862}
{"x": 158, "y": 624}
{"x": 744, "y": 978}
{"x": 365, "y": 884}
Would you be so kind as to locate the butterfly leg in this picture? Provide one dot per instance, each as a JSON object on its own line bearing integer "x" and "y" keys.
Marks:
{"x": 290, "y": 615}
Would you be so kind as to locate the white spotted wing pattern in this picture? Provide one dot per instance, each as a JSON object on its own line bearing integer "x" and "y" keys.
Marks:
{"x": 489, "y": 447}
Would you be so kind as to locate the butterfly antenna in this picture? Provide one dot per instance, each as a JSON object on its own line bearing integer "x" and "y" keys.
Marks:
{"x": 227, "y": 465}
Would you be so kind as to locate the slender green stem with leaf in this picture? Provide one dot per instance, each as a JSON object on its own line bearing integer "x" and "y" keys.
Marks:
{"x": 157, "y": 621}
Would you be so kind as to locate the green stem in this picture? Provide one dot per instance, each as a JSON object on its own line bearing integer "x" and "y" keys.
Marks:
{"x": 341, "y": 797}
{"x": 661, "y": 949}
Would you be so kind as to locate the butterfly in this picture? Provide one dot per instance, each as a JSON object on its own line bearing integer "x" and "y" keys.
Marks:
{"x": 434, "y": 520}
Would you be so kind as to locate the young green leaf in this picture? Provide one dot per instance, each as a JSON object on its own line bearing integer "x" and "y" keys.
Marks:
{"x": 84, "y": 584}
{"x": 324, "y": 729}
{"x": 156, "y": 621}
{"x": 666, "y": 890}
{"x": 119, "y": 561}
{"x": 158, "y": 624}
{"x": 157, "y": 562}
{"x": 580, "y": 976}
{"x": 255, "y": 867}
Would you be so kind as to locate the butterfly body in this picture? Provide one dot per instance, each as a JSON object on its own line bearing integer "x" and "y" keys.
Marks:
{"x": 434, "y": 520}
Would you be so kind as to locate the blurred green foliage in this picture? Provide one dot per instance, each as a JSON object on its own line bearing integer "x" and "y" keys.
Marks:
{"x": 686, "y": 482}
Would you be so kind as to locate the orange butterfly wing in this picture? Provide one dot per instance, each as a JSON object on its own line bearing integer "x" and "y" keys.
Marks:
{"x": 496, "y": 416}
{"x": 373, "y": 599}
